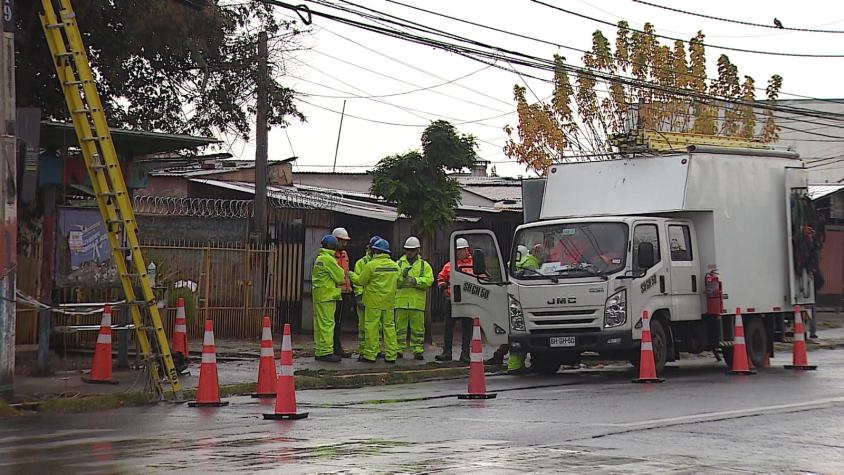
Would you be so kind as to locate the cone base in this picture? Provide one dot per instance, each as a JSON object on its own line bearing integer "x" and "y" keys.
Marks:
{"x": 477, "y": 396}
{"x": 98, "y": 381}
{"x": 208, "y": 404}
{"x": 741, "y": 372}
{"x": 263, "y": 395}
{"x": 801, "y": 367}
{"x": 648, "y": 380}
{"x": 286, "y": 416}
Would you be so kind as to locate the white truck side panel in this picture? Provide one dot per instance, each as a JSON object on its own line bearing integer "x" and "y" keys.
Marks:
{"x": 746, "y": 194}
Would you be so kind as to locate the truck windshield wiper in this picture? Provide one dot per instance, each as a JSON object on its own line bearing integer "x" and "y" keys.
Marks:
{"x": 535, "y": 272}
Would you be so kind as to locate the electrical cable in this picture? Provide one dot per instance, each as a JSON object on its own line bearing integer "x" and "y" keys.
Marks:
{"x": 740, "y": 22}
{"x": 710, "y": 45}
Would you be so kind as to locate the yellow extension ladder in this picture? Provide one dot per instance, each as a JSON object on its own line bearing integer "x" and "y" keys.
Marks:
{"x": 89, "y": 121}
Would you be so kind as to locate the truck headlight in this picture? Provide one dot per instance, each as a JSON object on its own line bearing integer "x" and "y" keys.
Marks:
{"x": 615, "y": 310}
{"x": 517, "y": 316}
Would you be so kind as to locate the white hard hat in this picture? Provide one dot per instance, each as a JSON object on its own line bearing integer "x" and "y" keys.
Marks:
{"x": 462, "y": 243}
{"x": 522, "y": 249}
{"x": 341, "y": 233}
{"x": 412, "y": 243}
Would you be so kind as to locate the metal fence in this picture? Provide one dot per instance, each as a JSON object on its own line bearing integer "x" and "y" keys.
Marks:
{"x": 233, "y": 284}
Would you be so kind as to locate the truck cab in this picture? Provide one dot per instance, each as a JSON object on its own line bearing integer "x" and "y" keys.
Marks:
{"x": 581, "y": 285}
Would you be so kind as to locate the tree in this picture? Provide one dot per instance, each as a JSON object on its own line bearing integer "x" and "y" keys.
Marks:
{"x": 174, "y": 66}
{"x": 654, "y": 86}
{"x": 418, "y": 182}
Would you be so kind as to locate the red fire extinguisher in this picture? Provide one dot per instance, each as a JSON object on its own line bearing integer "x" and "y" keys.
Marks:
{"x": 714, "y": 293}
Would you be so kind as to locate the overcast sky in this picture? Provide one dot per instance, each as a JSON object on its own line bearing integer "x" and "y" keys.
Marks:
{"x": 334, "y": 66}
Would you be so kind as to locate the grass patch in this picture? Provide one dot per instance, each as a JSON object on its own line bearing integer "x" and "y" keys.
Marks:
{"x": 6, "y": 410}
{"x": 96, "y": 402}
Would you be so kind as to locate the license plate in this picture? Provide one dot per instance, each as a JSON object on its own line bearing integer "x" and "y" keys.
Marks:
{"x": 558, "y": 341}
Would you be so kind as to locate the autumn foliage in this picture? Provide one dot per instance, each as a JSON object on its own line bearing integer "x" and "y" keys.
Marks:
{"x": 637, "y": 82}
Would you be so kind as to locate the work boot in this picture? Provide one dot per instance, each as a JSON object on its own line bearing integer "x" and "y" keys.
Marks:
{"x": 390, "y": 361}
{"x": 497, "y": 358}
{"x": 329, "y": 358}
{"x": 443, "y": 356}
{"x": 364, "y": 360}
{"x": 419, "y": 357}
{"x": 464, "y": 357}
{"x": 400, "y": 355}
{"x": 379, "y": 356}
{"x": 344, "y": 354}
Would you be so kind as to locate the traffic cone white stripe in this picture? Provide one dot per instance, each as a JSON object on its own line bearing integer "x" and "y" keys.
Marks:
{"x": 476, "y": 358}
{"x": 476, "y": 333}
{"x": 646, "y": 324}
{"x": 266, "y": 334}
{"x": 646, "y": 345}
{"x": 208, "y": 339}
{"x": 181, "y": 328}
{"x": 267, "y": 352}
{"x": 286, "y": 370}
{"x": 106, "y": 320}
{"x": 106, "y": 339}
{"x": 739, "y": 340}
{"x": 285, "y": 343}
{"x": 799, "y": 337}
{"x": 209, "y": 358}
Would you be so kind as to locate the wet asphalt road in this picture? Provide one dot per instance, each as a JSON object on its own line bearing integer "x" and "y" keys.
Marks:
{"x": 700, "y": 421}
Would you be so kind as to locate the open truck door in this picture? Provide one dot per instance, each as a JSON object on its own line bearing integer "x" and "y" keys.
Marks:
{"x": 480, "y": 290}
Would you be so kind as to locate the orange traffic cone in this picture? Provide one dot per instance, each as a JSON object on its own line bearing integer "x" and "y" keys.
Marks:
{"x": 208, "y": 392}
{"x": 799, "y": 359}
{"x": 267, "y": 376}
{"x": 477, "y": 386}
{"x": 285, "y": 400}
{"x": 740, "y": 363}
{"x": 647, "y": 367}
{"x": 101, "y": 366}
{"x": 180, "y": 331}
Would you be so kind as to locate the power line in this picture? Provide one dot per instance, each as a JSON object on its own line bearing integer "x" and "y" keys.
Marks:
{"x": 740, "y": 22}
{"x": 483, "y": 52}
{"x": 572, "y": 48}
{"x": 727, "y": 48}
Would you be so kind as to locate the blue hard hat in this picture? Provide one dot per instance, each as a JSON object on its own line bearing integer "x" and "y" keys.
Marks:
{"x": 374, "y": 239}
{"x": 329, "y": 241}
{"x": 381, "y": 245}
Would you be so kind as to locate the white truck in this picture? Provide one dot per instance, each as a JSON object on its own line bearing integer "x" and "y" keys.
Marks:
{"x": 688, "y": 237}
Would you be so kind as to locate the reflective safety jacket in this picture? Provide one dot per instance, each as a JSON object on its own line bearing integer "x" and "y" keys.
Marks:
{"x": 327, "y": 277}
{"x": 378, "y": 279}
{"x": 343, "y": 261}
{"x": 528, "y": 262}
{"x": 444, "y": 277}
{"x": 409, "y": 294}
{"x": 358, "y": 269}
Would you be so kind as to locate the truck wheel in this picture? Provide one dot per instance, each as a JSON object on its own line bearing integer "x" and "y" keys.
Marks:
{"x": 660, "y": 344}
{"x": 756, "y": 339}
{"x": 545, "y": 364}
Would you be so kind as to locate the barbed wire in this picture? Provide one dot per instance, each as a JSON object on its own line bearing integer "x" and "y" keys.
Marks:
{"x": 226, "y": 208}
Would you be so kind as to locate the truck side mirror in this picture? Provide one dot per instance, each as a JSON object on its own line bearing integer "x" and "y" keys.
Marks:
{"x": 645, "y": 255}
{"x": 478, "y": 262}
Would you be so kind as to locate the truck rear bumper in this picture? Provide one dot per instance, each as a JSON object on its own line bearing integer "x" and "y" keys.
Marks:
{"x": 599, "y": 342}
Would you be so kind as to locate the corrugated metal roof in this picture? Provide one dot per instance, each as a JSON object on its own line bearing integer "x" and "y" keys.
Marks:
{"x": 819, "y": 191}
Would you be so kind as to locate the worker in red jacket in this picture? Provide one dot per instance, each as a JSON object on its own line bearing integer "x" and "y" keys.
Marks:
{"x": 465, "y": 265}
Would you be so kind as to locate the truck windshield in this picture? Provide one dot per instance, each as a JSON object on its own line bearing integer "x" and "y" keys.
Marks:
{"x": 569, "y": 250}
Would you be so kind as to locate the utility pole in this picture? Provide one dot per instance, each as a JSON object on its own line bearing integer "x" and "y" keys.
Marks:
{"x": 339, "y": 131}
{"x": 260, "y": 223}
{"x": 8, "y": 204}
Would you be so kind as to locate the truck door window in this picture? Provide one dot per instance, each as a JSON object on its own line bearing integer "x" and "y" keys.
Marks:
{"x": 646, "y": 233}
{"x": 679, "y": 237}
{"x": 485, "y": 243}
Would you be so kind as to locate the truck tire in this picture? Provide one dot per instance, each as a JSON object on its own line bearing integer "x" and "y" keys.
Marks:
{"x": 659, "y": 337}
{"x": 543, "y": 364}
{"x": 756, "y": 340}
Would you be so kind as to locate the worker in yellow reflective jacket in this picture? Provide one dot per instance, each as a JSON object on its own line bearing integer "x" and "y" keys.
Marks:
{"x": 358, "y": 289}
{"x": 378, "y": 279}
{"x": 411, "y": 298}
{"x": 326, "y": 279}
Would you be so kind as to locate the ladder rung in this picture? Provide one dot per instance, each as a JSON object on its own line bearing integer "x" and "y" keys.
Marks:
{"x": 53, "y": 26}
{"x": 66, "y": 54}
{"x": 114, "y": 221}
{"x": 81, "y": 111}
{"x": 129, "y": 274}
{"x": 73, "y": 83}
{"x": 138, "y": 302}
{"x": 90, "y": 139}
{"x": 108, "y": 194}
